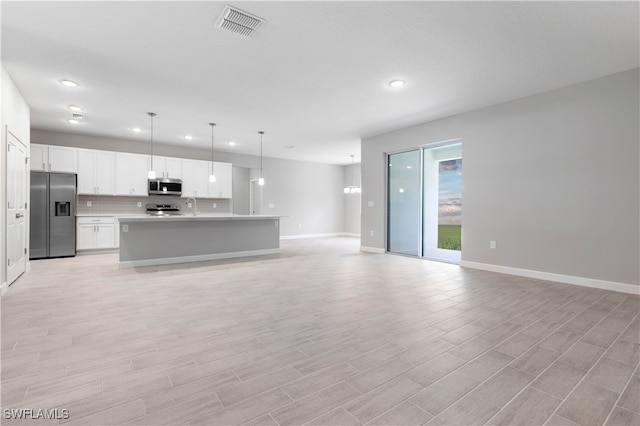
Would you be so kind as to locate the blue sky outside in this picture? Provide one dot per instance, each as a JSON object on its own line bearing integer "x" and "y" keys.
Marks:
{"x": 450, "y": 192}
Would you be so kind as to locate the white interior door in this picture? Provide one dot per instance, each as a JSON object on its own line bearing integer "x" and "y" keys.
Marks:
{"x": 16, "y": 210}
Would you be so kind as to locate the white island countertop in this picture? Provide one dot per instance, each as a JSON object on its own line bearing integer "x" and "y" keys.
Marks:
{"x": 190, "y": 217}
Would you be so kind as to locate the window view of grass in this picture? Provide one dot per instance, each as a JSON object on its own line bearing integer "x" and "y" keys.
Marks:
{"x": 450, "y": 205}
{"x": 450, "y": 237}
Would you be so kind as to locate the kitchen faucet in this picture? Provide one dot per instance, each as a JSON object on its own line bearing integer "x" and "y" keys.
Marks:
{"x": 195, "y": 205}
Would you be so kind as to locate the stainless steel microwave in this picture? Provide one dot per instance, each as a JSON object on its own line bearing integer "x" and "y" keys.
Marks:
{"x": 165, "y": 186}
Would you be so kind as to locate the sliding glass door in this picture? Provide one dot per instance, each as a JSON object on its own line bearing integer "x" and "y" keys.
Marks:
{"x": 424, "y": 196}
{"x": 403, "y": 203}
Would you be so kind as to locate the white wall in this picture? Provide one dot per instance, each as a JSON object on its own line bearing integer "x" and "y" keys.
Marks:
{"x": 307, "y": 194}
{"x": 352, "y": 201}
{"x": 15, "y": 115}
{"x": 553, "y": 178}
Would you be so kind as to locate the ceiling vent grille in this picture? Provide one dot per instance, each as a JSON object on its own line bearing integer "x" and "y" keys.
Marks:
{"x": 239, "y": 22}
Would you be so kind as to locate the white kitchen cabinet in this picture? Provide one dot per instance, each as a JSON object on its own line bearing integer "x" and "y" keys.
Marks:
{"x": 195, "y": 178}
{"x": 131, "y": 174}
{"x": 38, "y": 157}
{"x": 167, "y": 167}
{"x": 96, "y": 172}
{"x": 50, "y": 158}
{"x": 95, "y": 233}
{"x": 222, "y": 187}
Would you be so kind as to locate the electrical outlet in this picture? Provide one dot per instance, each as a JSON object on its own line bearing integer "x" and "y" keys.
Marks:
{"x": 189, "y": 205}
{"x": 492, "y": 244}
{"x": 139, "y": 204}
{"x": 215, "y": 205}
{"x": 371, "y": 233}
{"x": 272, "y": 206}
{"x": 125, "y": 228}
{"x": 88, "y": 203}
{"x": 370, "y": 203}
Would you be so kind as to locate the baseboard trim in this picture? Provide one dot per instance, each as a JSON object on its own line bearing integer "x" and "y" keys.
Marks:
{"x": 97, "y": 251}
{"x": 372, "y": 250}
{"x": 550, "y": 276}
{"x": 351, "y": 234}
{"x": 197, "y": 258}
{"x": 331, "y": 234}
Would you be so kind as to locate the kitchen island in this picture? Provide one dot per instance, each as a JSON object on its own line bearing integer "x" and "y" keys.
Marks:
{"x": 149, "y": 240}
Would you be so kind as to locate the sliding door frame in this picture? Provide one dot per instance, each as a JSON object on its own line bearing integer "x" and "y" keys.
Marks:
{"x": 422, "y": 148}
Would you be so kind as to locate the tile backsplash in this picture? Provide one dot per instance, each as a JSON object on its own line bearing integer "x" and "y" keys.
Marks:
{"x": 103, "y": 204}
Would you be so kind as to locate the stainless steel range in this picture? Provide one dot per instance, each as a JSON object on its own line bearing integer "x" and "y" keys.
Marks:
{"x": 163, "y": 210}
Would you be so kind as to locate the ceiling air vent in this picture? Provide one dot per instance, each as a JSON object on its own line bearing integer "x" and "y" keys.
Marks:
{"x": 239, "y": 22}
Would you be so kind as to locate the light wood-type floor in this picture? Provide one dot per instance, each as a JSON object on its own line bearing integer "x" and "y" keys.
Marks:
{"x": 319, "y": 334}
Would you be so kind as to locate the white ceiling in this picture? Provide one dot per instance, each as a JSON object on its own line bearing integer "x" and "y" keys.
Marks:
{"x": 316, "y": 74}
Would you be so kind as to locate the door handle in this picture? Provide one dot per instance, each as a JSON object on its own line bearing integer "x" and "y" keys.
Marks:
{"x": 19, "y": 215}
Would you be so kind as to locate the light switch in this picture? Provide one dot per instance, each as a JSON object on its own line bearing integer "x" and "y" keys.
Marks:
{"x": 88, "y": 203}
{"x": 271, "y": 205}
{"x": 215, "y": 205}
{"x": 370, "y": 203}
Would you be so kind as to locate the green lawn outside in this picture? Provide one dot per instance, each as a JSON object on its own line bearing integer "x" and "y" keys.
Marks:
{"x": 450, "y": 237}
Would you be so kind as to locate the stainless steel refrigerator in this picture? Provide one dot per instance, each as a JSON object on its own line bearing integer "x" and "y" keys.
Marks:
{"x": 53, "y": 215}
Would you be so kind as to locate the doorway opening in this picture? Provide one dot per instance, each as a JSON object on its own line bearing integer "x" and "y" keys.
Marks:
{"x": 255, "y": 197}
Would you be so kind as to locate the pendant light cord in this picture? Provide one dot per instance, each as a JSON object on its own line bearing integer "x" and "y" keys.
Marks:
{"x": 261, "y": 133}
{"x": 212, "y": 126}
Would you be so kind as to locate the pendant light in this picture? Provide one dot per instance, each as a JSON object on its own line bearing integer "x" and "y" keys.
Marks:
{"x": 261, "y": 179}
{"x": 152, "y": 172}
{"x": 212, "y": 176}
{"x": 352, "y": 189}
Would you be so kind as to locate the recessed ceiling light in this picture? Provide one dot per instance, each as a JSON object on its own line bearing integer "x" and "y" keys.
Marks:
{"x": 137, "y": 129}
{"x": 73, "y": 121}
{"x": 397, "y": 83}
{"x": 231, "y": 143}
{"x": 290, "y": 146}
{"x": 68, "y": 83}
{"x": 188, "y": 137}
{"x": 408, "y": 167}
{"x": 74, "y": 108}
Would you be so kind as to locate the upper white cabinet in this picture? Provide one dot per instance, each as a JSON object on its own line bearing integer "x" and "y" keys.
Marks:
{"x": 167, "y": 167}
{"x": 49, "y": 158}
{"x": 222, "y": 187}
{"x": 96, "y": 172}
{"x": 131, "y": 174}
{"x": 39, "y": 157}
{"x": 120, "y": 173}
{"x": 195, "y": 178}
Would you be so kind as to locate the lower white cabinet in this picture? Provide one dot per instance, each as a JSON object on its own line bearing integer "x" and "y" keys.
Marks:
{"x": 96, "y": 233}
